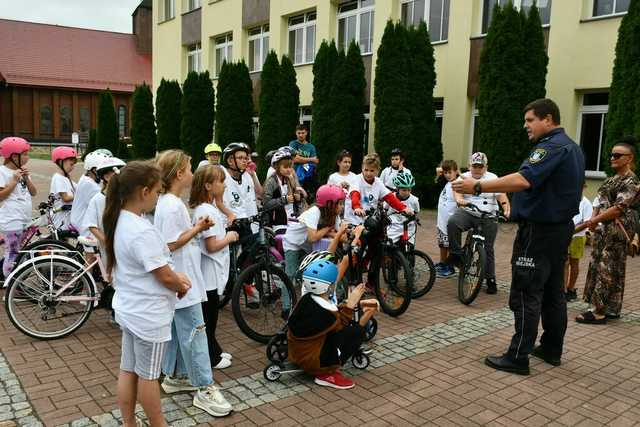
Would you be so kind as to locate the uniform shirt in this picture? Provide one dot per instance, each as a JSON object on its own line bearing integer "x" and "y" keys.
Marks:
{"x": 142, "y": 304}
{"x": 296, "y": 237}
{"x": 389, "y": 173}
{"x": 555, "y": 171}
{"x": 486, "y": 202}
{"x": 61, "y": 184}
{"x": 93, "y": 216}
{"x": 15, "y": 210}
{"x": 349, "y": 184}
{"x": 584, "y": 214}
{"x": 215, "y": 266}
{"x": 446, "y": 207}
{"x": 172, "y": 219}
{"x": 87, "y": 188}
{"x": 395, "y": 229}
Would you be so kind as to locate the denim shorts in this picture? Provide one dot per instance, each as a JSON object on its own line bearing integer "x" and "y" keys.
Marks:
{"x": 144, "y": 358}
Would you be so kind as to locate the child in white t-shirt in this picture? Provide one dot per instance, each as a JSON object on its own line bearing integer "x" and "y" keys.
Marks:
{"x": 396, "y": 167}
{"x": 576, "y": 249}
{"x": 348, "y": 181}
{"x": 145, "y": 284}
{"x": 208, "y": 184}
{"x": 446, "y": 207}
{"x": 188, "y": 338}
{"x": 62, "y": 187}
{"x": 282, "y": 197}
{"x": 404, "y": 184}
{"x": 16, "y": 190}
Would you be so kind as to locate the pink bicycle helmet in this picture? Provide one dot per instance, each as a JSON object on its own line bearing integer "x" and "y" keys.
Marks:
{"x": 62, "y": 153}
{"x": 329, "y": 193}
{"x": 13, "y": 145}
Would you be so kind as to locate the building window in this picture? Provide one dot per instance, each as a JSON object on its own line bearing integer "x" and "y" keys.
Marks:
{"x": 194, "y": 58}
{"x": 65, "y": 119}
{"x": 438, "y": 104}
{"x": 193, "y": 4}
{"x": 122, "y": 121}
{"x": 434, "y": 12}
{"x": 224, "y": 51}
{"x": 593, "y": 121}
{"x": 355, "y": 22}
{"x": 302, "y": 38}
{"x": 85, "y": 119}
{"x": 46, "y": 123}
{"x": 610, "y": 7}
{"x": 258, "y": 47}
{"x": 544, "y": 7}
{"x": 306, "y": 118}
{"x": 169, "y": 9}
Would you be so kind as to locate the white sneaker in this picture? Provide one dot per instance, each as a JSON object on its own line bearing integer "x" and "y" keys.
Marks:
{"x": 224, "y": 363}
{"x": 174, "y": 385}
{"x": 227, "y": 356}
{"x": 212, "y": 401}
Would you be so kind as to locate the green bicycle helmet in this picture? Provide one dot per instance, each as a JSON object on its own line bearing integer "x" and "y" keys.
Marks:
{"x": 404, "y": 180}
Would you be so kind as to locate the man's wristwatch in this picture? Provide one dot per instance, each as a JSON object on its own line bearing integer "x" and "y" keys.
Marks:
{"x": 477, "y": 188}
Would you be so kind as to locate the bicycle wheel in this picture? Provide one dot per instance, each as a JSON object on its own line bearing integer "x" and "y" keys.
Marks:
{"x": 258, "y": 300}
{"x": 45, "y": 246}
{"x": 33, "y": 307}
{"x": 471, "y": 273}
{"x": 392, "y": 279}
{"x": 424, "y": 272}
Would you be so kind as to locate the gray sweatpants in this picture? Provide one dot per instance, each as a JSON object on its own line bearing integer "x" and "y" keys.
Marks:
{"x": 462, "y": 221}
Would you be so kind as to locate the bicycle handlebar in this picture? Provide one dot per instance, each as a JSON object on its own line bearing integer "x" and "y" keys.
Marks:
{"x": 486, "y": 215}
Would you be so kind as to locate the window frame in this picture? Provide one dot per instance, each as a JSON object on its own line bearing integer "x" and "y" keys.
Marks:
{"x": 357, "y": 12}
{"x": 427, "y": 13}
{"x": 80, "y": 118}
{"x": 195, "y": 51}
{"x": 517, "y": 4}
{"x": 171, "y": 13}
{"x": 50, "y": 119}
{"x": 304, "y": 26}
{"x": 193, "y": 5}
{"x": 122, "y": 124}
{"x": 226, "y": 47}
{"x": 593, "y": 109}
{"x": 63, "y": 119}
{"x": 607, "y": 15}
{"x": 259, "y": 38}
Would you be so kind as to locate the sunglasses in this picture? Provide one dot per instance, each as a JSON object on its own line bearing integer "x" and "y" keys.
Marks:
{"x": 616, "y": 156}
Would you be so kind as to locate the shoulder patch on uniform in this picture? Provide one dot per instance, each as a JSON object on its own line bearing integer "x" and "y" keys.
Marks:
{"x": 537, "y": 155}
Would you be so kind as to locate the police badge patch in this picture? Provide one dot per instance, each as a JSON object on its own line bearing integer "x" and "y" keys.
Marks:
{"x": 537, "y": 155}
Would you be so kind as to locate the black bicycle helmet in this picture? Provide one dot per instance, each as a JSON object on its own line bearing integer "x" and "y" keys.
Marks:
{"x": 233, "y": 148}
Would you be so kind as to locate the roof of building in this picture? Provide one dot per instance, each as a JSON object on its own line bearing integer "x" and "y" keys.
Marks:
{"x": 56, "y": 56}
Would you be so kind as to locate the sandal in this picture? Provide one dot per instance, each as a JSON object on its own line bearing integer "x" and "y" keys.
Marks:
{"x": 590, "y": 319}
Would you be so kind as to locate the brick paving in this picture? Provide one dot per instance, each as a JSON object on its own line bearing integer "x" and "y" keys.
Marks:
{"x": 427, "y": 369}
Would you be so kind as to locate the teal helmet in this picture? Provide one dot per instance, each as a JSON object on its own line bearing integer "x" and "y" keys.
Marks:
{"x": 404, "y": 180}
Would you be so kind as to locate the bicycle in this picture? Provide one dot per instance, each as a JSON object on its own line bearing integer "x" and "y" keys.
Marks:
{"x": 422, "y": 266}
{"x": 260, "y": 316}
{"x": 474, "y": 257}
{"x": 51, "y": 296}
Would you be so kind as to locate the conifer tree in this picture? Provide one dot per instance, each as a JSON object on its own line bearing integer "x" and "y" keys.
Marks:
{"x": 168, "y": 117}
{"x": 354, "y": 71}
{"x": 143, "y": 127}
{"x": 536, "y": 59}
{"x": 107, "y": 131}
{"x": 624, "y": 96}
{"x": 270, "y": 135}
{"x": 290, "y": 99}
{"x": 234, "y": 108}
{"x": 197, "y": 110}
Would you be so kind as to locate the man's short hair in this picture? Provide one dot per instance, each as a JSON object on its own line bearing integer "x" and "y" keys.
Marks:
{"x": 301, "y": 127}
{"x": 544, "y": 107}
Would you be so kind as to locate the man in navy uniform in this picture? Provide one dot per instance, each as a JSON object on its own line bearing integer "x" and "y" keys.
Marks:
{"x": 548, "y": 190}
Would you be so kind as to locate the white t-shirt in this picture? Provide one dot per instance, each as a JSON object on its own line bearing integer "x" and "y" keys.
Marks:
{"x": 349, "y": 184}
{"x": 395, "y": 229}
{"x": 370, "y": 194}
{"x": 296, "y": 237}
{"x": 446, "y": 207}
{"x": 87, "y": 188}
{"x": 240, "y": 197}
{"x": 172, "y": 219}
{"x": 142, "y": 304}
{"x": 486, "y": 202}
{"x": 585, "y": 213}
{"x": 93, "y": 216}
{"x": 61, "y": 184}
{"x": 389, "y": 173}
{"x": 15, "y": 210}
{"x": 203, "y": 163}
{"x": 215, "y": 266}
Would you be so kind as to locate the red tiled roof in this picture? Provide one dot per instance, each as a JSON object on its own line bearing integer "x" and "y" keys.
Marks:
{"x": 50, "y": 55}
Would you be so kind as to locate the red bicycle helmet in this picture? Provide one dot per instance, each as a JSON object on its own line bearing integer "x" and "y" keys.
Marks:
{"x": 13, "y": 145}
{"x": 329, "y": 193}
{"x": 62, "y": 153}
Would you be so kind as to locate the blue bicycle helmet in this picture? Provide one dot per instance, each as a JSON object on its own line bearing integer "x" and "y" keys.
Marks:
{"x": 318, "y": 276}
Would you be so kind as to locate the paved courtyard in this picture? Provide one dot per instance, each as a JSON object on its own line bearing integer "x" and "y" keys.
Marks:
{"x": 427, "y": 368}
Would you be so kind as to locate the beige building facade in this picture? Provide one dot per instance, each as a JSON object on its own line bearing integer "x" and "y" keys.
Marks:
{"x": 581, "y": 34}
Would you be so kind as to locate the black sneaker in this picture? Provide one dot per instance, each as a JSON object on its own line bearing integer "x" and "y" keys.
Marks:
{"x": 492, "y": 287}
{"x": 571, "y": 295}
{"x": 454, "y": 260}
{"x": 505, "y": 364}
{"x": 541, "y": 354}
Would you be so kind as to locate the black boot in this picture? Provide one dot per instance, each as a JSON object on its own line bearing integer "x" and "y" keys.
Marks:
{"x": 540, "y": 353}
{"x": 492, "y": 287}
{"x": 504, "y": 363}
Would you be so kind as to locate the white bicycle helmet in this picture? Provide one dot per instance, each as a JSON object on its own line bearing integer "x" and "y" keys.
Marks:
{"x": 280, "y": 154}
{"x": 110, "y": 164}
{"x": 94, "y": 159}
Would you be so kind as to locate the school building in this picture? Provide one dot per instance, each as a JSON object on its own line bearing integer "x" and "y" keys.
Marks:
{"x": 581, "y": 34}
